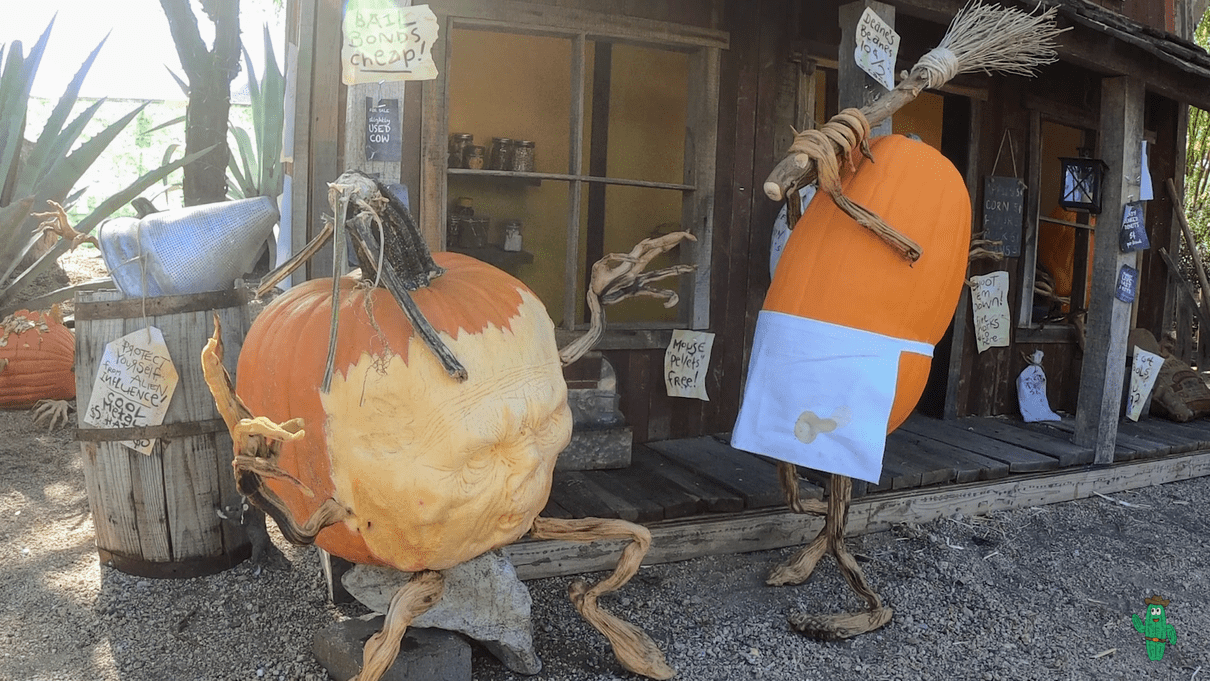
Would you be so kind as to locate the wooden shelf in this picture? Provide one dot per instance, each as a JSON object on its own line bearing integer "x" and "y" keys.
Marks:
{"x": 508, "y": 261}
{"x": 531, "y": 179}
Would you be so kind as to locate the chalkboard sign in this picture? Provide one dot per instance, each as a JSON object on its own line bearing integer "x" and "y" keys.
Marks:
{"x": 1003, "y": 206}
{"x": 383, "y": 139}
{"x": 1128, "y": 284}
{"x": 1134, "y": 231}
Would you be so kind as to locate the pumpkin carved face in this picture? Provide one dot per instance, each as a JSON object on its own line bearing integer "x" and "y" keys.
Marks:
{"x": 37, "y": 353}
{"x": 434, "y": 471}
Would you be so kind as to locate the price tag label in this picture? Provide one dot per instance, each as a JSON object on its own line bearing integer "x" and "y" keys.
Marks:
{"x": 877, "y": 48}
{"x": 134, "y": 385}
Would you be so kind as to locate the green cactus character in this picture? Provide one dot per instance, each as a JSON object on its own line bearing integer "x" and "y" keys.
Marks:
{"x": 1154, "y": 627}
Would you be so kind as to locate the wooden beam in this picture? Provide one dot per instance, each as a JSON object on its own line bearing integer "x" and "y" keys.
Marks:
{"x": 857, "y": 88}
{"x": 677, "y": 540}
{"x": 1104, "y": 368}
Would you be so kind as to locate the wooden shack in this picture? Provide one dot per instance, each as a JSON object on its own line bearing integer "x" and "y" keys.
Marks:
{"x": 650, "y": 116}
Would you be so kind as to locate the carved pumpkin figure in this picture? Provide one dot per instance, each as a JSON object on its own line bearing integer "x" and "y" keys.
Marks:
{"x": 434, "y": 471}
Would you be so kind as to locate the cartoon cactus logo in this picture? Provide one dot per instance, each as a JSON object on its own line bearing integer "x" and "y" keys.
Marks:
{"x": 1154, "y": 627}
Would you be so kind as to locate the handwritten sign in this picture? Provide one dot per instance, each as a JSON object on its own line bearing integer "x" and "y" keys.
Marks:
{"x": 385, "y": 42}
{"x": 1143, "y": 372}
{"x": 1134, "y": 232}
{"x": 1003, "y": 207}
{"x": 686, "y": 362}
{"x": 781, "y": 227}
{"x": 989, "y": 298}
{"x": 1031, "y": 393}
{"x": 383, "y": 141}
{"x": 877, "y": 48}
{"x": 1128, "y": 284}
{"x": 134, "y": 385}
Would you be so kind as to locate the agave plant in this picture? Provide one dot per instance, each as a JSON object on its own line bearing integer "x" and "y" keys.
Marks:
{"x": 51, "y": 168}
{"x": 258, "y": 170}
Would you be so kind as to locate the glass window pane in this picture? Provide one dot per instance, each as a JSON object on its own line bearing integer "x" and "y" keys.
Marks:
{"x": 515, "y": 86}
{"x": 648, "y": 99}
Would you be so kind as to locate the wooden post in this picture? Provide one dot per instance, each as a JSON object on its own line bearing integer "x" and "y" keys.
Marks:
{"x": 857, "y": 88}
{"x": 1099, "y": 403}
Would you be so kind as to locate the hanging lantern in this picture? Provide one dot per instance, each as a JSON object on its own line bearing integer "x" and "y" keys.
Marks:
{"x": 1081, "y": 188}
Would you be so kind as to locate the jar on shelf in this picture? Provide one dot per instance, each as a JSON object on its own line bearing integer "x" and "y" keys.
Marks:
{"x": 474, "y": 157}
{"x": 473, "y": 232}
{"x": 523, "y": 156}
{"x": 462, "y": 210}
{"x": 459, "y": 141}
{"x": 512, "y": 235}
{"x": 502, "y": 154}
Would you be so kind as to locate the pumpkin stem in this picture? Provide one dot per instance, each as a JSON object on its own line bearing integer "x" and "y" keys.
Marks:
{"x": 391, "y": 250}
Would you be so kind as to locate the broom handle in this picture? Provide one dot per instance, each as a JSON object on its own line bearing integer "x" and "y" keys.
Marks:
{"x": 792, "y": 169}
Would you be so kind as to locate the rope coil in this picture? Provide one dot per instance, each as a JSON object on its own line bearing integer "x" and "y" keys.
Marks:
{"x": 849, "y": 132}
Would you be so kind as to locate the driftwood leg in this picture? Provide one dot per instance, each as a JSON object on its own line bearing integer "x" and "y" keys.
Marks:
{"x": 257, "y": 444}
{"x": 412, "y": 600}
{"x": 634, "y": 649}
{"x": 798, "y": 569}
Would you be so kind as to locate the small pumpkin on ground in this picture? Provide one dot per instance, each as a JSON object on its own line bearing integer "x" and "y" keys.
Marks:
{"x": 37, "y": 358}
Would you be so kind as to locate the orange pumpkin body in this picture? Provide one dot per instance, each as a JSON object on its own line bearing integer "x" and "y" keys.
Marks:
{"x": 834, "y": 270}
{"x": 41, "y": 354}
{"x": 434, "y": 471}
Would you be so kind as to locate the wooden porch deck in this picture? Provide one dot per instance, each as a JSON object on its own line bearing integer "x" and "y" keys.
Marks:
{"x": 699, "y": 497}
{"x": 697, "y": 477}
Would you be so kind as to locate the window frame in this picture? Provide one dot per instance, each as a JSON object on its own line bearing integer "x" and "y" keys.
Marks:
{"x": 703, "y": 47}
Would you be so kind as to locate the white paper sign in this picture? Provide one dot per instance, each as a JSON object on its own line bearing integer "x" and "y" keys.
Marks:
{"x": 134, "y": 385}
{"x": 686, "y": 362}
{"x": 1145, "y": 370}
{"x": 877, "y": 48}
{"x": 386, "y": 42}
{"x": 1146, "y": 189}
{"x": 989, "y": 298}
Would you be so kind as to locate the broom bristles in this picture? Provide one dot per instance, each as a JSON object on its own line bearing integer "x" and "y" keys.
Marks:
{"x": 991, "y": 38}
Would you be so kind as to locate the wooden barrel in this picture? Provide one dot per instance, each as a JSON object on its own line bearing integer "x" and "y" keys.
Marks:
{"x": 155, "y": 513}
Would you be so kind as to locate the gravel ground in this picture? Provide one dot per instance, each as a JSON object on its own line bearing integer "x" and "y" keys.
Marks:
{"x": 1039, "y": 593}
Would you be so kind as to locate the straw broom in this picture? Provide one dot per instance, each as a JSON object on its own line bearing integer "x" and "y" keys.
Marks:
{"x": 987, "y": 38}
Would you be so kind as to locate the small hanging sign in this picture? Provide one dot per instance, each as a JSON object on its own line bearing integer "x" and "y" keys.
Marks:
{"x": 685, "y": 363}
{"x": 385, "y": 42}
{"x": 134, "y": 385}
{"x": 1003, "y": 208}
{"x": 1144, "y": 371}
{"x": 1134, "y": 231}
{"x": 383, "y": 141}
{"x": 989, "y": 298}
{"x": 877, "y": 48}
{"x": 1128, "y": 284}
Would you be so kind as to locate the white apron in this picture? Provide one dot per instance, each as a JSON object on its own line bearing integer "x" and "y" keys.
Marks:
{"x": 819, "y": 395}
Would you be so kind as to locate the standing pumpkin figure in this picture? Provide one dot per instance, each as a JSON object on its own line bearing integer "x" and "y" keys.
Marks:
{"x": 1155, "y": 628}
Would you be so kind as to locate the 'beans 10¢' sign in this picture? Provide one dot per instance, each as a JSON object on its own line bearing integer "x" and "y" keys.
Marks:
{"x": 385, "y": 42}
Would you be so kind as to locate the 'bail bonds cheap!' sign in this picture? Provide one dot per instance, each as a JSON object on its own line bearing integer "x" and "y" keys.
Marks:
{"x": 134, "y": 385}
{"x": 385, "y": 42}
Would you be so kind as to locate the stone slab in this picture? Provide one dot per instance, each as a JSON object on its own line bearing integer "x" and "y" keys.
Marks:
{"x": 593, "y": 449}
{"x": 424, "y": 654}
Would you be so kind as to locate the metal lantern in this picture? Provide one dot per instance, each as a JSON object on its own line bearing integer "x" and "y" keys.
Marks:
{"x": 1081, "y": 189}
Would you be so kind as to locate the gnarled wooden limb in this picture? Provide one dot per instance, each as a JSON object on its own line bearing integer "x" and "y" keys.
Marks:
{"x": 412, "y": 600}
{"x": 257, "y": 446}
{"x": 617, "y": 277}
{"x": 798, "y": 569}
{"x": 634, "y": 649}
{"x": 787, "y": 473}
